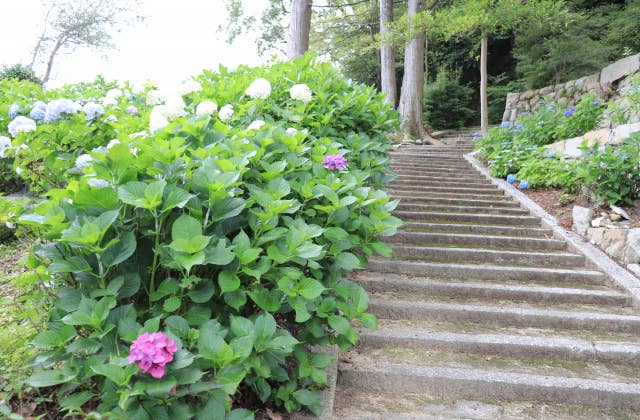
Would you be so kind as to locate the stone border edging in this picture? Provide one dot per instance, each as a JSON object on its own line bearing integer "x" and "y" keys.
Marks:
{"x": 328, "y": 393}
{"x": 618, "y": 275}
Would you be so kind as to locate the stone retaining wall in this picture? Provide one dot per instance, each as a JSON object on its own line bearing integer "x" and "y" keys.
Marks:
{"x": 604, "y": 84}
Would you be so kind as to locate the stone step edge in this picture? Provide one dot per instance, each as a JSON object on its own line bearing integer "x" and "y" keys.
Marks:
{"x": 489, "y": 384}
{"x": 434, "y": 227}
{"x": 489, "y": 290}
{"x": 595, "y": 257}
{"x": 508, "y": 345}
{"x": 327, "y": 394}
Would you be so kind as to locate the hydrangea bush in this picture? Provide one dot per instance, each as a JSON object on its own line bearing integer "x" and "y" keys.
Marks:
{"x": 196, "y": 254}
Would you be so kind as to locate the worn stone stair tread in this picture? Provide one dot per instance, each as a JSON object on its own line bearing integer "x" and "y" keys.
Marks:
{"x": 461, "y": 239}
{"x": 455, "y": 190}
{"x": 487, "y": 290}
{"x": 498, "y": 219}
{"x": 455, "y": 201}
{"x": 359, "y": 404}
{"x": 504, "y": 315}
{"x": 478, "y": 383}
{"x": 473, "y": 228}
{"x": 480, "y": 255}
{"x": 450, "y": 208}
{"x": 562, "y": 347}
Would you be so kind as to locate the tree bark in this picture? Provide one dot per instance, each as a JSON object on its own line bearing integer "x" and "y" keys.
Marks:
{"x": 411, "y": 96}
{"x": 387, "y": 54}
{"x": 52, "y": 56}
{"x": 299, "y": 27}
{"x": 484, "y": 110}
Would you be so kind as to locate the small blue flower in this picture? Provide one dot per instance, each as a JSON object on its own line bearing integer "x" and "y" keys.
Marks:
{"x": 505, "y": 124}
{"x": 524, "y": 184}
{"x": 595, "y": 103}
{"x": 569, "y": 112}
{"x": 524, "y": 113}
{"x": 38, "y": 111}
{"x": 530, "y": 148}
{"x": 551, "y": 155}
{"x": 511, "y": 178}
{"x": 476, "y": 134}
{"x": 13, "y": 110}
{"x": 505, "y": 143}
{"x": 518, "y": 127}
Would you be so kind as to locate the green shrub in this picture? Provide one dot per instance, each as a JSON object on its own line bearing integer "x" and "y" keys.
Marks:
{"x": 20, "y": 72}
{"x": 627, "y": 108}
{"x": 235, "y": 242}
{"x": 613, "y": 172}
{"x": 498, "y": 88}
{"x": 446, "y": 102}
{"x": 550, "y": 172}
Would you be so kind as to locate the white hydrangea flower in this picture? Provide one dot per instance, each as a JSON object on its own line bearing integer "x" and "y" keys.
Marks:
{"x": 206, "y": 108}
{"x": 291, "y": 131}
{"x": 174, "y": 108}
{"x": 155, "y": 97}
{"x": 5, "y": 144}
{"x": 113, "y": 94}
{"x": 259, "y": 89}
{"x": 18, "y": 170}
{"x": 83, "y": 161}
{"x": 112, "y": 143}
{"x": 98, "y": 183}
{"x": 21, "y": 124}
{"x": 138, "y": 135}
{"x": 111, "y": 118}
{"x": 226, "y": 112}
{"x": 189, "y": 86}
{"x": 10, "y": 225}
{"x": 300, "y": 92}
{"x": 23, "y": 146}
{"x": 158, "y": 119}
{"x": 256, "y": 125}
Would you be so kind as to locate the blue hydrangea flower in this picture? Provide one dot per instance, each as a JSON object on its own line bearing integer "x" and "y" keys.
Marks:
{"x": 505, "y": 124}
{"x": 13, "y": 110}
{"x": 551, "y": 154}
{"x": 518, "y": 127}
{"x": 524, "y": 184}
{"x": 569, "y": 112}
{"x": 92, "y": 110}
{"x": 595, "y": 103}
{"x": 476, "y": 134}
{"x": 511, "y": 178}
{"x": 38, "y": 111}
{"x": 21, "y": 124}
{"x": 57, "y": 107}
{"x": 505, "y": 143}
{"x": 524, "y": 113}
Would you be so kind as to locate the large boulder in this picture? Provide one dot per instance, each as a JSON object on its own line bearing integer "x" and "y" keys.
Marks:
{"x": 581, "y": 219}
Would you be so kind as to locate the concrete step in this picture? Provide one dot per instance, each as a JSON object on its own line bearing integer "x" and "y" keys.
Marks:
{"x": 413, "y": 163}
{"x": 453, "y": 190}
{"x": 451, "y": 182}
{"x": 407, "y": 199}
{"x": 441, "y": 157}
{"x": 405, "y": 206}
{"x": 497, "y": 219}
{"x": 514, "y": 316}
{"x": 428, "y": 287}
{"x": 435, "y": 177}
{"x": 420, "y": 171}
{"x": 494, "y": 384}
{"x": 563, "y": 347}
{"x": 486, "y": 272}
{"x": 491, "y": 256}
{"x": 477, "y": 229}
{"x": 517, "y": 243}
{"x": 407, "y": 191}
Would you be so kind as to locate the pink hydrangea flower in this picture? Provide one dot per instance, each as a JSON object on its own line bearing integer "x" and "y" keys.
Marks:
{"x": 152, "y": 352}
{"x": 337, "y": 162}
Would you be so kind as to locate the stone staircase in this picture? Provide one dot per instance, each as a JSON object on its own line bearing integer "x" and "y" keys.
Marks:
{"x": 482, "y": 313}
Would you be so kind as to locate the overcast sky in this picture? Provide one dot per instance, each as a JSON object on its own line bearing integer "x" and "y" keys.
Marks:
{"x": 177, "y": 39}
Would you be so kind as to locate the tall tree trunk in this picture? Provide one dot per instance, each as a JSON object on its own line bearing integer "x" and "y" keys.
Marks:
{"x": 410, "y": 107}
{"x": 52, "y": 56}
{"x": 299, "y": 27}
{"x": 387, "y": 54}
{"x": 484, "y": 110}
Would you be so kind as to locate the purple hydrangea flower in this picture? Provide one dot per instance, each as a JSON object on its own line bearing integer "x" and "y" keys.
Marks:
{"x": 524, "y": 184}
{"x": 511, "y": 178}
{"x": 337, "y": 162}
{"x": 132, "y": 110}
{"x": 152, "y": 352}
{"x": 569, "y": 112}
{"x": 39, "y": 111}
{"x": 13, "y": 110}
{"x": 595, "y": 103}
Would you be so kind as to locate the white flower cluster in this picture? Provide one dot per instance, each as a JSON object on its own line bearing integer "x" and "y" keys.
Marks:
{"x": 206, "y": 108}
{"x": 162, "y": 114}
{"x": 189, "y": 86}
{"x": 256, "y": 125}
{"x": 111, "y": 98}
{"x": 21, "y": 124}
{"x": 5, "y": 144}
{"x": 301, "y": 92}
{"x": 259, "y": 89}
{"x": 226, "y": 112}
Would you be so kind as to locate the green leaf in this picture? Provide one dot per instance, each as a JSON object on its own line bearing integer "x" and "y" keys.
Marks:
{"x": 177, "y": 325}
{"x": 236, "y": 299}
{"x": 133, "y": 193}
{"x": 310, "y": 288}
{"x": 190, "y": 245}
{"x": 175, "y": 197}
{"x": 228, "y": 281}
{"x": 202, "y": 292}
{"x": 181, "y": 359}
{"x": 115, "y": 373}
{"x": 269, "y": 300}
{"x": 156, "y": 387}
{"x": 368, "y": 321}
{"x": 76, "y": 400}
{"x": 227, "y": 208}
{"x": 240, "y": 414}
{"x": 172, "y": 304}
{"x": 186, "y": 227}
{"x": 218, "y": 255}
{"x": 188, "y": 261}
{"x": 382, "y": 249}
{"x": 49, "y": 378}
{"x": 265, "y": 327}
{"x": 335, "y": 234}
{"x": 167, "y": 287}
{"x": 212, "y": 346}
{"x": 121, "y": 250}
{"x": 241, "y": 326}
{"x": 339, "y": 324}
{"x": 348, "y": 261}
{"x": 69, "y": 265}
{"x": 309, "y": 399}
{"x": 105, "y": 198}
{"x": 188, "y": 376}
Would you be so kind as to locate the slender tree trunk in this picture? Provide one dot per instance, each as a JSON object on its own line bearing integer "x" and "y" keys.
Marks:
{"x": 299, "y": 27}
{"x": 42, "y": 38}
{"x": 484, "y": 110}
{"x": 387, "y": 54}
{"x": 52, "y": 56}
{"x": 410, "y": 107}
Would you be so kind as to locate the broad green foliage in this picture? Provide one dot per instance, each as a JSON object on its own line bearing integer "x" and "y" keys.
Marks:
{"x": 20, "y": 72}
{"x": 446, "y": 102}
{"x": 234, "y": 242}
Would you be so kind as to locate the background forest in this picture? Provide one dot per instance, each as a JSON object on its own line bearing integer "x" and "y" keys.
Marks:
{"x": 584, "y": 38}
